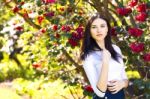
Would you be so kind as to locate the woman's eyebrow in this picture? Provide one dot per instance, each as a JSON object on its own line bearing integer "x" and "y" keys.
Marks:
{"x": 99, "y": 24}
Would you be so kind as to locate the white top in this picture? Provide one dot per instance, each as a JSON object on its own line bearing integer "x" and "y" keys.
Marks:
{"x": 92, "y": 66}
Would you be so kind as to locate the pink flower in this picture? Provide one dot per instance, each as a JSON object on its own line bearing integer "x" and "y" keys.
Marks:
{"x": 141, "y": 17}
{"x": 88, "y": 88}
{"x": 133, "y": 3}
{"x": 135, "y": 32}
{"x": 137, "y": 47}
{"x": 49, "y": 1}
{"x": 146, "y": 57}
{"x": 124, "y": 11}
{"x": 142, "y": 7}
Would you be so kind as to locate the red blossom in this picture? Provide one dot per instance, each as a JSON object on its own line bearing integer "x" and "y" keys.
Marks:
{"x": 16, "y": 9}
{"x": 36, "y": 65}
{"x": 88, "y": 88}
{"x": 57, "y": 35}
{"x": 141, "y": 17}
{"x": 18, "y": 28}
{"x": 146, "y": 57}
{"x": 22, "y": 3}
{"x": 113, "y": 32}
{"x": 75, "y": 36}
{"x": 55, "y": 27}
{"x": 49, "y": 14}
{"x": 135, "y": 32}
{"x": 25, "y": 15}
{"x": 124, "y": 11}
{"x": 142, "y": 7}
{"x": 72, "y": 42}
{"x": 69, "y": 9}
{"x": 132, "y": 3}
{"x": 40, "y": 19}
{"x": 43, "y": 30}
{"x": 79, "y": 29}
{"x": 137, "y": 47}
{"x": 61, "y": 9}
{"x": 66, "y": 28}
{"x": 49, "y": 1}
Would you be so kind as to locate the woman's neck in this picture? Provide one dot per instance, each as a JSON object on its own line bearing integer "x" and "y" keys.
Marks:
{"x": 101, "y": 44}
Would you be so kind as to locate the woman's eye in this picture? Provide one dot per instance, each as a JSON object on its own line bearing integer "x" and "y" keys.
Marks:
{"x": 102, "y": 25}
{"x": 93, "y": 26}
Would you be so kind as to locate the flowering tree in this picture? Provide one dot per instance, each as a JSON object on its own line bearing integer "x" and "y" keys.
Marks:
{"x": 131, "y": 33}
{"x": 47, "y": 33}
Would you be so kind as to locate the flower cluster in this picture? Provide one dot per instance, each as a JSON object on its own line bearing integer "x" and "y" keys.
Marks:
{"x": 76, "y": 36}
{"x": 49, "y": 1}
{"x": 141, "y": 8}
{"x": 137, "y": 47}
{"x": 124, "y": 11}
{"x": 88, "y": 88}
{"x": 146, "y": 57}
{"x": 133, "y": 3}
{"x": 141, "y": 15}
{"x": 135, "y": 32}
{"x": 113, "y": 31}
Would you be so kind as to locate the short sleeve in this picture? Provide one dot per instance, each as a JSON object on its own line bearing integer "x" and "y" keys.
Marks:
{"x": 92, "y": 75}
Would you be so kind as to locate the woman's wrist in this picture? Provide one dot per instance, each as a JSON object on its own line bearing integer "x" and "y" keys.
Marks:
{"x": 124, "y": 83}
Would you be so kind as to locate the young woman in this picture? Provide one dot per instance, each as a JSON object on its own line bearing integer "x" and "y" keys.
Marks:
{"x": 103, "y": 63}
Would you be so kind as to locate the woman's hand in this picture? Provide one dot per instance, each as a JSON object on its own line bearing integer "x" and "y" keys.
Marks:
{"x": 106, "y": 55}
{"x": 116, "y": 85}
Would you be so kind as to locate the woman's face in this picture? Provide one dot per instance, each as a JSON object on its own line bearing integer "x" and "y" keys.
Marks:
{"x": 99, "y": 29}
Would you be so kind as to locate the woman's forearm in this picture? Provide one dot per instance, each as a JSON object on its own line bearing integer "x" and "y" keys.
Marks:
{"x": 102, "y": 82}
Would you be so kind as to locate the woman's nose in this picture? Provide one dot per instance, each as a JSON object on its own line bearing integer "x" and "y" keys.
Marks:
{"x": 98, "y": 30}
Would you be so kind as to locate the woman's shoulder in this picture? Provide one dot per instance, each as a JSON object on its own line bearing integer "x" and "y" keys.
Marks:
{"x": 93, "y": 55}
{"x": 116, "y": 47}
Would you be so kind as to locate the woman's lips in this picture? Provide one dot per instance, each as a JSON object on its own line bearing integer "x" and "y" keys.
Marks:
{"x": 99, "y": 35}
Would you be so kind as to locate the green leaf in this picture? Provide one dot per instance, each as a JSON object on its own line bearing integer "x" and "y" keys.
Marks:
{"x": 1, "y": 55}
{"x": 63, "y": 2}
{"x": 18, "y": 0}
{"x": 142, "y": 26}
{"x": 1, "y": 27}
{"x": 38, "y": 2}
{"x": 71, "y": 1}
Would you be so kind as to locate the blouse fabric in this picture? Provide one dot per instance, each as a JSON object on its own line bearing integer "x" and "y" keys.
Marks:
{"x": 92, "y": 66}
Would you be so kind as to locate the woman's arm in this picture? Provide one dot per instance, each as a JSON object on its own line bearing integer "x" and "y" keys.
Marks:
{"x": 91, "y": 73}
{"x": 103, "y": 78}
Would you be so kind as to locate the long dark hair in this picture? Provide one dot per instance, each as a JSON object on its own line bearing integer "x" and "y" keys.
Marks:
{"x": 89, "y": 44}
